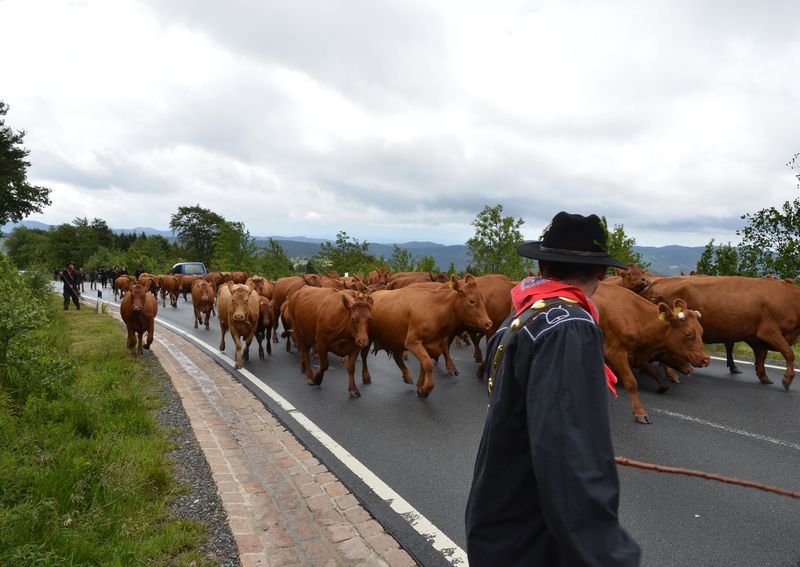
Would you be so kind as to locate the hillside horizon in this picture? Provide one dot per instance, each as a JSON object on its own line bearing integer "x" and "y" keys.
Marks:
{"x": 670, "y": 259}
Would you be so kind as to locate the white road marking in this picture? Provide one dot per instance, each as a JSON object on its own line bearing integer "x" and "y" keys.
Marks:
{"x": 437, "y": 538}
{"x": 741, "y": 432}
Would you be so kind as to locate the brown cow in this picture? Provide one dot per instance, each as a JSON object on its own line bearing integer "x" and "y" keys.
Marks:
{"x": 203, "y": 301}
{"x": 122, "y": 284}
{"x": 236, "y": 277}
{"x": 424, "y": 321}
{"x": 403, "y": 279}
{"x": 283, "y": 290}
{"x": 138, "y": 310}
{"x": 238, "y": 313}
{"x": 214, "y": 278}
{"x": 378, "y": 278}
{"x": 637, "y": 332}
{"x": 262, "y": 286}
{"x": 496, "y": 292}
{"x": 331, "y": 321}
{"x": 169, "y": 286}
{"x": 186, "y": 282}
{"x": 764, "y": 313}
{"x": 264, "y": 327}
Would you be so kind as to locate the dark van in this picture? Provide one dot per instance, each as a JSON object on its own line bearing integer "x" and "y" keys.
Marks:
{"x": 189, "y": 269}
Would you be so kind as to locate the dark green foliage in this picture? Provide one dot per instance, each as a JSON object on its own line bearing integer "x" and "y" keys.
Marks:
{"x": 18, "y": 198}
{"x": 400, "y": 261}
{"x": 722, "y": 260}
{"x": 197, "y": 230}
{"x": 234, "y": 248}
{"x": 494, "y": 246}
{"x": 620, "y": 246}
{"x": 346, "y": 256}
{"x": 273, "y": 263}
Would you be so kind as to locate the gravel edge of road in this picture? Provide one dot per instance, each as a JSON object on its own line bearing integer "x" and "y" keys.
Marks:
{"x": 199, "y": 500}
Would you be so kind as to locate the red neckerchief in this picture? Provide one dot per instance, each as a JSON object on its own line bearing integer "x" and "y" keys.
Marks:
{"x": 532, "y": 288}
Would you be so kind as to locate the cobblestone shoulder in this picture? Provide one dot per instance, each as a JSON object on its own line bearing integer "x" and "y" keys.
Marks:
{"x": 284, "y": 506}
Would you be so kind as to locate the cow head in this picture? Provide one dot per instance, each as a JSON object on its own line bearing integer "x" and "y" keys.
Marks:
{"x": 312, "y": 279}
{"x": 633, "y": 278}
{"x": 683, "y": 337}
{"x": 204, "y": 290}
{"x": 470, "y": 308}
{"x": 265, "y": 311}
{"x": 137, "y": 293}
{"x": 239, "y": 302}
{"x": 359, "y": 310}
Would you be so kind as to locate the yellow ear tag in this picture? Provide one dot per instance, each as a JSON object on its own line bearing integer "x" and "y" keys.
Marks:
{"x": 662, "y": 316}
{"x": 451, "y": 285}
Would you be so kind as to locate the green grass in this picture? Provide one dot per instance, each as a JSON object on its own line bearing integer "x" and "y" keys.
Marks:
{"x": 744, "y": 351}
{"x": 85, "y": 477}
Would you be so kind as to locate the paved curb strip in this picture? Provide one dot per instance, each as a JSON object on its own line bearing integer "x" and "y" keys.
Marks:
{"x": 283, "y": 505}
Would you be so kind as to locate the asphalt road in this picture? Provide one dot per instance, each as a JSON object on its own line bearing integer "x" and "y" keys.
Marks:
{"x": 424, "y": 450}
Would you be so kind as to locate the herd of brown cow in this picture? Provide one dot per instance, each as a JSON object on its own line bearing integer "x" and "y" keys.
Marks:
{"x": 644, "y": 318}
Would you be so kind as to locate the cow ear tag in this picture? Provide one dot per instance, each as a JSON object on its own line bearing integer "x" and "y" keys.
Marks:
{"x": 662, "y": 316}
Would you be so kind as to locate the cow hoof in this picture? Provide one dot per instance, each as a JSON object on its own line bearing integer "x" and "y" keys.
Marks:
{"x": 367, "y": 380}
{"x": 735, "y": 370}
{"x": 422, "y": 393}
{"x": 766, "y": 380}
{"x": 644, "y": 419}
{"x": 354, "y": 395}
{"x": 147, "y": 347}
{"x": 662, "y": 389}
{"x": 408, "y": 380}
{"x": 786, "y": 384}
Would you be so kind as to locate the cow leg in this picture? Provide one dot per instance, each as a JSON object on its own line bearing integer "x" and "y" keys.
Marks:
{"x": 224, "y": 328}
{"x": 150, "y": 334}
{"x": 425, "y": 380}
{"x": 323, "y": 364}
{"x": 670, "y": 373}
{"x": 266, "y": 336}
{"x": 259, "y": 339}
{"x": 163, "y": 298}
{"x": 352, "y": 389}
{"x": 365, "y": 376}
{"x": 305, "y": 361}
{"x": 237, "y": 341}
{"x": 477, "y": 355}
{"x": 398, "y": 360}
{"x": 131, "y": 340}
{"x": 208, "y": 316}
{"x": 653, "y": 372}
{"x": 619, "y": 362}
{"x": 775, "y": 338}
{"x": 448, "y": 361}
{"x": 246, "y": 348}
{"x": 197, "y": 316}
{"x": 760, "y": 352}
{"x": 729, "y": 356}
{"x": 139, "y": 348}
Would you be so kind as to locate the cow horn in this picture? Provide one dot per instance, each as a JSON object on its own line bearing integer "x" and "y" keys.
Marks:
{"x": 698, "y": 314}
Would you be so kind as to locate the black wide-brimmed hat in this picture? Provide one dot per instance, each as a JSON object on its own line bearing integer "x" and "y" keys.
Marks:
{"x": 573, "y": 239}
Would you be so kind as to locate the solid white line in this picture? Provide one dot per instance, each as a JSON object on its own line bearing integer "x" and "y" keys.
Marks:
{"x": 741, "y": 432}
{"x": 750, "y": 362}
{"x": 438, "y": 539}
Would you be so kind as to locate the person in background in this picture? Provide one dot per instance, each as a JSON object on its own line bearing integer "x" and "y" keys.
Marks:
{"x": 69, "y": 276}
{"x": 93, "y": 275}
{"x": 545, "y": 489}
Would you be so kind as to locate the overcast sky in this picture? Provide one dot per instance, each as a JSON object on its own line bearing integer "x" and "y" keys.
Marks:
{"x": 400, "y": 120}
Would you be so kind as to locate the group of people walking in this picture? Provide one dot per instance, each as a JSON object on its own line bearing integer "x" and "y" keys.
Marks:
{"x": 74, "y": 280}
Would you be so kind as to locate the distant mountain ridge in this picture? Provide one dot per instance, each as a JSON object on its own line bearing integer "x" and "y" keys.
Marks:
{"x": 666, "y": 260}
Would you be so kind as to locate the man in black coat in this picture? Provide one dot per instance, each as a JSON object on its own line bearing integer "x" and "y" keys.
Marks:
{"x": 71, "y": 277}
{"x": 545, "y": 489}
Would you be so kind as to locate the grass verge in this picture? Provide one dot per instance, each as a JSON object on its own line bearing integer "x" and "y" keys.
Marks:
{"x": 85, "y": 476}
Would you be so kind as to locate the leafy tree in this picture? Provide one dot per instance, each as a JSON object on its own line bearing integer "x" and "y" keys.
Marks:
{"x": 426, "y": 264}
{"x": 153, "y": 253}
{"x": 28, "y": 246}
{"x": 771, "y": 241}
{"x": 620, "y": 246}
{"x": 234, "y": 248}
{"x": 18, "y": 198}
{"x": 197, "y": 230}
{"x": 105, "y": 256}
{"x": 451, "y": 269}
{"x": 273, "y": 262}
{"x": 722, "y": 260}
{"x": 348, "y": 255}
{"x": 494, "y": 246}
{"x": 400, "y": 260}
